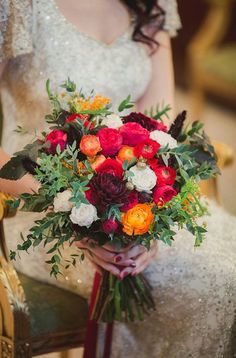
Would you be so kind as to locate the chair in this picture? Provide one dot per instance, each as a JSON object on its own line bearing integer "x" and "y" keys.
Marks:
{"x": 212, "y": 70}
{"x": 211, "y": 64}
{"x": 35, "y": 318}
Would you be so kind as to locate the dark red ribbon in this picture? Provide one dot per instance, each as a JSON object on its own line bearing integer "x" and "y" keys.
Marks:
{"x": 90, "y": 345}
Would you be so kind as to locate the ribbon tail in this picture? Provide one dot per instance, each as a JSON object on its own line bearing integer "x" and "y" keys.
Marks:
{"x": 90, "y": 345}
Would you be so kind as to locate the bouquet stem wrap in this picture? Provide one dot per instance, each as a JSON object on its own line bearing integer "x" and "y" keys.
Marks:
{"x": 124, "y": 300}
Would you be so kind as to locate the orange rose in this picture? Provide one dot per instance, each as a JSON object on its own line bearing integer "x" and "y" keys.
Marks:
{"x": 97, "y": 161}
{"x": 90, "y": 145}
{"x": 137, "y": 221}
{"x": 126, "y": 153}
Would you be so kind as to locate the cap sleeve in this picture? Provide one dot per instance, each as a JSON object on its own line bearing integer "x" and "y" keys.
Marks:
{"x": 172, "y": 19}
{"x": 15, "y": 28}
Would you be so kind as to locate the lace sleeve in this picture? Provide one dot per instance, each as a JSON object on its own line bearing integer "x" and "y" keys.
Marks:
{"x": 15, "y": 28}
{"x": 172, "y": 20}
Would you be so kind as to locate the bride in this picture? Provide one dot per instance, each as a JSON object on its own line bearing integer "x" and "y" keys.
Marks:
{"x": 118, "y": 48}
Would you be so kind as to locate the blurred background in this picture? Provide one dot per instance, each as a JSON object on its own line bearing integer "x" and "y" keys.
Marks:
{"x": 205, "y": 67}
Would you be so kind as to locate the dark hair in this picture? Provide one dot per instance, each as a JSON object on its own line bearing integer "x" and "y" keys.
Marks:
{"x": 149, "y": 19}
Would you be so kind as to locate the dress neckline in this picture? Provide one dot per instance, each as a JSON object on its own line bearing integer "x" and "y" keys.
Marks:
{"x": 125, "y": 34}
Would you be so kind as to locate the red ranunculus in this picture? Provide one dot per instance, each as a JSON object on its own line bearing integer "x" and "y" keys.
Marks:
{"x": 163, "y": 194}
{"x": 153, "y": 163}
{"x": 131, "y": 201}
{"x": 55, "y": 138}
{"x": 89, "y": 196}
{"x": 165, "y": 175}
{"x": 110, "y": 140}
{"x": 109, "y": 226}
{"x": 84, "y": 118}
{"x": 111, "y": 166}
{"x": 146, "y": 149}
{"x": 133, "y": 133}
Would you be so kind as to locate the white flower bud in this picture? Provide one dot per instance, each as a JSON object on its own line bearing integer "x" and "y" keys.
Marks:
{"x": 144, "y": 179}
{"x": 112, "y": 121}
{"x": 163, "y": 139}
{"x": 85, "y": 215}
{"x": 61, "y": 201}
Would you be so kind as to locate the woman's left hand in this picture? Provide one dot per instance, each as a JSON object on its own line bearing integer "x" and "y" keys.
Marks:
{"x": 141, "y": 257}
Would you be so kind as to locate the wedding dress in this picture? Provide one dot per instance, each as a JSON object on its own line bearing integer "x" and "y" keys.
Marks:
{"x": 194, "y": 289}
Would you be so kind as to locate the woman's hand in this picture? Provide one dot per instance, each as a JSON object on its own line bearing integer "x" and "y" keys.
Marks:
{"x": 141, "y": 257}
{"x": 131, "y": 260}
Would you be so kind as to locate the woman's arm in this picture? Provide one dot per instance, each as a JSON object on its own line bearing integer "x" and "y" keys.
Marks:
{"x": 161, "y": 88}
{"x": 25, "y": 185}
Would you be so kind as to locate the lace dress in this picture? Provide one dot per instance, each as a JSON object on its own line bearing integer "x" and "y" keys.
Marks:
{"x": 194, "y": 289}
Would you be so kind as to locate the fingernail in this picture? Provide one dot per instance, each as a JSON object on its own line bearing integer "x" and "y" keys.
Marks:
{"x": 133, "y": 264}
{"x": 124, "y": 275}
{"x": 118, "y": 258}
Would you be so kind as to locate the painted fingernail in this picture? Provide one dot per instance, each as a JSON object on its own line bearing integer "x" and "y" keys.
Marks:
{"x": 133, "y": 264}
{"x": 124, "y": 274}
{"x": 118, "y": 259}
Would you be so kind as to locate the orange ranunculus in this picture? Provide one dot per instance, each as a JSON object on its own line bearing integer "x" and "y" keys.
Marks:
{"x": 97, "y": 161}
{"x": 90, "y": 145}
{"x": 137, "y": 221}
{"x": 126, "y": 153}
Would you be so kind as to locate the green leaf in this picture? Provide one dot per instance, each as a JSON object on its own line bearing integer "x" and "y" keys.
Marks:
{"x": 126, "y": 104}
{"x": 69, "y": 85}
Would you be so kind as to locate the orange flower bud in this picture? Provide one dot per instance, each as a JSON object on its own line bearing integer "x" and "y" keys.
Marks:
{"x": 90, "y": 145}
{"x": 137, "y": 221}
{"x": 126, "y": 153}
{"x": 97, "y": 161}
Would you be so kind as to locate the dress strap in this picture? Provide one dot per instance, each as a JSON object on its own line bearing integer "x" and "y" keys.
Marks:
{"x": 172, "y": 21}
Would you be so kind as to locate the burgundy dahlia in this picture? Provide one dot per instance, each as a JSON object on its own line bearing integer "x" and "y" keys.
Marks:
{"x": 108, "y": 189}
{"x": 146, "y": 122}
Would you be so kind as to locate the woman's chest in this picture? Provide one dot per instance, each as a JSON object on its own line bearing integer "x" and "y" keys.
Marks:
{"x": 60, "y": 50}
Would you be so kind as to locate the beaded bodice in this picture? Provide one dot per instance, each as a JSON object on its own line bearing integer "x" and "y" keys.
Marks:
{"x": 57, "y": 50}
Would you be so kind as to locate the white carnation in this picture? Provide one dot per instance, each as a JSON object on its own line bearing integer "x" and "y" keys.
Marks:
{"x": 85, "y": 215}
{"x": 112, "y": 121}
{"x": 163, "y": 139}
{"x": 144, "y": 179}
{"x": 61, "y": 201}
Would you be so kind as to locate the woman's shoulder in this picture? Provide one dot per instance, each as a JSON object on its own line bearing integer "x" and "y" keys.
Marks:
{"x": 15, "y": 28}
{"x": 172, "y": 18}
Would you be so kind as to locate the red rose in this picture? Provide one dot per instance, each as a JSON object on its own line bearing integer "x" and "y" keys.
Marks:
{"x": 131, "y": 201}
{"x": 109, "y": 226}
{"x": 146, "y": 149}
{"x": 133, "y": 133}
{"x": 163, "y": 194}
{"x": 84, "y": 117}
{"x": 55, "y": 138}
{"x": 111, "y": 166}
{"x": 110, "y": 140}
{"x": 165, "y": 175}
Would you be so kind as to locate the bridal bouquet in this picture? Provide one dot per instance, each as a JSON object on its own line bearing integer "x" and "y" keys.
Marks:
{"x": 112, "y": 178}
